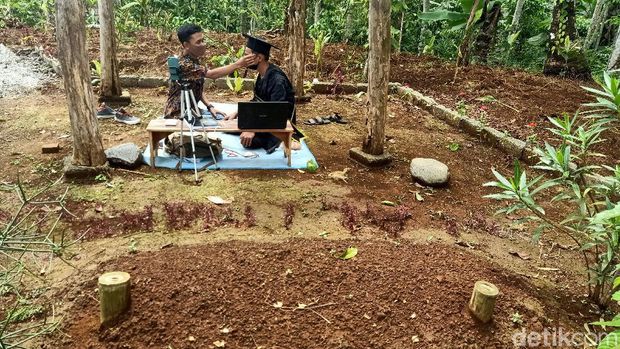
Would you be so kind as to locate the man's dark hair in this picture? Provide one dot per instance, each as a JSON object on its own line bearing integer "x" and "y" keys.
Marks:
{"x": 187, "y": 30}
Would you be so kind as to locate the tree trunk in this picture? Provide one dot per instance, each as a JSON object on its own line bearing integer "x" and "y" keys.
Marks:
{"x": 317, "y": 11}
{"x": 516, "y": 18}
{"x": 244, "y": 20}
{"x": 463, "y": 55}
{"x": 71, "y": 37}
{"x": 297, "y": 44}
{"x": 379, "y": 39}
{"x": 349, "y": 25}
{"x": 614, "y": 59}
{"x": 426, "y": 5}
{"x": 484, "y": 41}
{"x": 562, "y": 59}
{"x": 110, "y": 81}
{"x": 400, "y": 34}
{"x": 596, "y": 27}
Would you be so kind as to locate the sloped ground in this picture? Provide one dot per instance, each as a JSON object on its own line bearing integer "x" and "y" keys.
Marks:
{"x": 388, "y": 296}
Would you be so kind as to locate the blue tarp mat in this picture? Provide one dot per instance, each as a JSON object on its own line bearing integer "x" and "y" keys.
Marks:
{"x": 233, "y": 157}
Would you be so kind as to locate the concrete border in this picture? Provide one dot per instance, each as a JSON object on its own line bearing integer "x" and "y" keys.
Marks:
{"x": 498, "y": 139}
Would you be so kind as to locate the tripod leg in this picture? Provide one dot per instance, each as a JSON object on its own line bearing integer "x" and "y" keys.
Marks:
{"x": 182, "y": 149}
{"x": 204, "y": 132}
{"x": 190, "y": 119}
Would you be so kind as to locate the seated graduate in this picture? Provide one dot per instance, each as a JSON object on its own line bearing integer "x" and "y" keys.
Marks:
{"x": 194, "y": 50}
{"x": 272, "y": 85}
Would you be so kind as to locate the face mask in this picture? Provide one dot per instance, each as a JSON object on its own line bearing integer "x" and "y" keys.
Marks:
{"x": 253, "y": 67}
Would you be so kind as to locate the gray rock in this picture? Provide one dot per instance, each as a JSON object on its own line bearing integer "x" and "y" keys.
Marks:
{"x": 429, "y": 172}
{"x": 124, "y": 155}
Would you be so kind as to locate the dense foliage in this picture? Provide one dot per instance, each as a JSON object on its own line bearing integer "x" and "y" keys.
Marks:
{"x": 524, "y": 45}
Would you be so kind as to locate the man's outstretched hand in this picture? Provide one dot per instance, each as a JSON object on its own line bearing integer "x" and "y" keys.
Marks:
{"x": 246, "y": 60}
{"x": 231, "y": 116}
{"x": 246, "y": 138}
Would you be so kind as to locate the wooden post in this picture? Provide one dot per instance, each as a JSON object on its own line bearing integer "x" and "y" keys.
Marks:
{"x": 378, "y": 74}
{"x": 296, "y": 35}
{"x": 482, "y": 300}
{"x": 71, "y": 37}
{"x": 114, "y": 295}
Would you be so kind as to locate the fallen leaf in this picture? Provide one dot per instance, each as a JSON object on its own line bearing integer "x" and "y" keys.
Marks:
{"x": 419, "y": 196}
{"x": 388, "y": 203}
{"x": 301, "y": 306}
{"x": 191, "y": 338}
{"x": 521, "y": 255}
{"x": 225, "y": 330}
{"x": 415, "y": 339}
{"x": 219, "y": 344}
{"x": 277, "y": 304}
{"x": 99, "y": 209}
{"x": 324, "y": 234}
{"x": 348, "y": 253}
{"x": 413, "y": 316}
{"x": 218, "y": 200}
{"x": 366, "y": 316}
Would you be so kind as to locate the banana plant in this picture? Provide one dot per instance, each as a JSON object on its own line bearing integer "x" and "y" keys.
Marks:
{"x": 456, "y": 19}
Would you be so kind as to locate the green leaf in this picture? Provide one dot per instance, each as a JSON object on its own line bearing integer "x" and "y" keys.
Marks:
{"x": 607, "y": 215}
{"x": 348, "y": 253}
{"x": 612, "y": 323}
{"x": 616, "y": 282}
{"x": 444, "y": 16}
{"x": 611, "y": 341}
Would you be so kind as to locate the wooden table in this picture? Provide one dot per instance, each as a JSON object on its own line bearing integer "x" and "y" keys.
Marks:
{"x": 158, "y": 130}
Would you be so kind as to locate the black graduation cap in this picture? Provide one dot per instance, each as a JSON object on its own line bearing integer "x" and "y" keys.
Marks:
{"x": 258, "y": 45}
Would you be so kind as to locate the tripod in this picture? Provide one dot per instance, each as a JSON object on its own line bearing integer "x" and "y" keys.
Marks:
{"x": 190, "y": 115}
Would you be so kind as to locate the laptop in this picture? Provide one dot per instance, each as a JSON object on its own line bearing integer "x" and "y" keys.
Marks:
{"x": 263, "y": 115}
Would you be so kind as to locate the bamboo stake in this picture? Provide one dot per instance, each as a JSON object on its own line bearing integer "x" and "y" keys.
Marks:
{"x": 114, "y": 295}
{"x": 482, "y": 300}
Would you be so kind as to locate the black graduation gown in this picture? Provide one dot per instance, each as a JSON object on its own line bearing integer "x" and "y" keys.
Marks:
{"x": 275, "y": 87}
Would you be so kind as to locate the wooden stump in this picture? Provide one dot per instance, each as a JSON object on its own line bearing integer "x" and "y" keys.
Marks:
{"x": 482, "y": 300}
{"x": 114, "y": 296}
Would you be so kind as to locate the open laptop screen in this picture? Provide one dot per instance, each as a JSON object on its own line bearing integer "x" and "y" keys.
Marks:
{"x": 264, "y": 115}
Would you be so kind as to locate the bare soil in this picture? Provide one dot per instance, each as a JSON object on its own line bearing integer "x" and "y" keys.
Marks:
{"x": 388, "y": 296}
{"x": 223, "y": 271}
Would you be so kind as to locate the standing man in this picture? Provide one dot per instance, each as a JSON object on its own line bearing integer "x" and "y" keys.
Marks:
{"x": 194, "y": 50}
{"x": 272, "y": 85}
